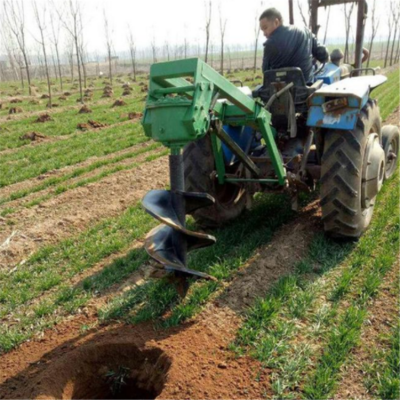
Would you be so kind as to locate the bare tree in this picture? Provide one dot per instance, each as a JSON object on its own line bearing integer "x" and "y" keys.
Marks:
{"x": 208, "y": 10}
{"x": 327, "y": 23}
{"x": 14, "y": 12}
{"x": 396, "y": 17}
{"x": 72, "y": 23}
{"x": 41, "y": 23}
{"x": 347, "y": 19}
{"x": 396, "y": 59}
{"x": 132, "y": 50}
{"x": 374, "y": 29}
{"x": 390, "y": 22}
{"x": 55, "y": 29}
{"x": 304, "y": 19}
{"x": 222, "y": 30}
{"x": 154, "y": 49}
{"x": 108, "y": 44}
{"x": 256, "y": 35}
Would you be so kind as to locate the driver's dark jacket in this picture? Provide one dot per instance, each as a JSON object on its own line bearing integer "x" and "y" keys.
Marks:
{"x": 290, "y": 46}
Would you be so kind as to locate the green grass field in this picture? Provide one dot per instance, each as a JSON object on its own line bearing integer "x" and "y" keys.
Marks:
{"x": 303, "y": 330}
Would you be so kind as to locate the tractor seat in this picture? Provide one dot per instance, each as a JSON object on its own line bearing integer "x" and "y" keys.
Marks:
{"x": 277, "y": 79}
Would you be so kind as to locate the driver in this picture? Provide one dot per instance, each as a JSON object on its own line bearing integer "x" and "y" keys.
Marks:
{"x": 289, "y": 46}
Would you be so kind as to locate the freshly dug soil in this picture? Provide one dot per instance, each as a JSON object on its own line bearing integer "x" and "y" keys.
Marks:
{"x": 44, "y": 118}
{"x": 84, "y": 110}
{"x": 15, "y": 110}
{"x": 119, "y": 103}
{"x": 32, "y": 136}
{"x": 135, "y": 115}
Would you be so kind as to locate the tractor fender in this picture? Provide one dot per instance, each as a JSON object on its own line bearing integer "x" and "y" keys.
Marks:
{"x": 338, "y": 106}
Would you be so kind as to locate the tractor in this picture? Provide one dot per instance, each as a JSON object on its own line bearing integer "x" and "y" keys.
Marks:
{"x": 228, "y": 143}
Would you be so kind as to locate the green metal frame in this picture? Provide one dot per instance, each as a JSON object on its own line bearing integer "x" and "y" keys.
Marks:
{"x": 182, "y": 101}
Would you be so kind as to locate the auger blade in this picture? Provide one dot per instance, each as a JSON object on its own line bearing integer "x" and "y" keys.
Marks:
{"x": 161, "y": 242}
{"x": 159, "y": 204}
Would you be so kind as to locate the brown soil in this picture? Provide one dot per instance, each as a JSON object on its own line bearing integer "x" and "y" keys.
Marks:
{"x": 67, "y": 94}
{"x": 44, "y": 118}
{"x": 288, "y": 247}
{"x": 62, "y": 98}
{"x": 14, "y": 101}
{"x": 32, "y": 136}
{"x": 91, "y": 124}
{"x": 135, "y": 115}
{"x": 84, "y": 110}
{"x": 119, "y": 103}
{"x": 383, "y": 314}
{"x": 15, "y": 110}
{"x": 44, "y": 96}
{"x": 126, "y": 92}
{"x": 65, "y": 363}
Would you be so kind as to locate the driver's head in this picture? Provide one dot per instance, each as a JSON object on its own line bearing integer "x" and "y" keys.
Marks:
{"x": 270, "y": 19}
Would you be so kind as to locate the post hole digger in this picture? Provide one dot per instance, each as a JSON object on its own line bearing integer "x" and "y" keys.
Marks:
{"x": 227, "y": 143}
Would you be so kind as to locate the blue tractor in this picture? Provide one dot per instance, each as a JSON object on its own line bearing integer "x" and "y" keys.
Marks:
{"x": 228, "y": 142}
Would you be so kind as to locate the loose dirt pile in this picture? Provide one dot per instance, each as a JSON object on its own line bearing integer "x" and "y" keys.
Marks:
{"x": 32, "y": 136}
{"x": 119, "y": 103}
{"x": 91, "y": 124}
{"x": 44, "y": 96}
{"x": 44, "y": 118}
{"x": 135, "y": 115}
{"x": 84, "y": 110}
{"x": 15, "y": 101}
{"x": 15, "y": 110}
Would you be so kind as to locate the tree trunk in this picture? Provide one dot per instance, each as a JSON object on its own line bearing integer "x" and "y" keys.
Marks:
{"x": 394, "y": 41}
{"x": 387, "y": 49}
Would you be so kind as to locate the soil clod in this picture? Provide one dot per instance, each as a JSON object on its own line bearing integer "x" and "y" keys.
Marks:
{"x": 119, "y": 103}
{"x": 15, "y": 110}
{"x": 32, "y": 136}
{"x": 85, "y": 110}
{"x": 44, "y": 118}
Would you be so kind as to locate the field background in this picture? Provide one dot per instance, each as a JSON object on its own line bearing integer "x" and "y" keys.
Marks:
{"x": 303, "y": 316}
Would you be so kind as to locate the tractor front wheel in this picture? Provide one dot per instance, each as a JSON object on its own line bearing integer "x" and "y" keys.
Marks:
{"x": 352, "y": 173}
{"x": 230, "y": 199}
{"x": 390, "y": 144}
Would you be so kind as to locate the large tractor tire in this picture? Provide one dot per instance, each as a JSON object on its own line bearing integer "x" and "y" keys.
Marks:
{"x": 230, "y": 200}
{"x": 352, "y": 172}
{"x": 390, "y": 144}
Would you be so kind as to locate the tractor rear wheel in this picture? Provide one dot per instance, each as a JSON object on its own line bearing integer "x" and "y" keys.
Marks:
{"x": 352, "y": 172}
{"x": 230, "y": 199}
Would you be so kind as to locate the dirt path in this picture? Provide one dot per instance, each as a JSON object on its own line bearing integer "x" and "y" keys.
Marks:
{"x": 75, "y": 209}
{"x": 382, "y": 315}
{"x": 190, "y": 361}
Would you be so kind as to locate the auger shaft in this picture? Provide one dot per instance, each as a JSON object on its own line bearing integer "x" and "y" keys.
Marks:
{"x": 177, "y": 183}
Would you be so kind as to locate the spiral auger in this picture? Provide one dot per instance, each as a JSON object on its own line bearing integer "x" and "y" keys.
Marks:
{"x": 170, "y": 242}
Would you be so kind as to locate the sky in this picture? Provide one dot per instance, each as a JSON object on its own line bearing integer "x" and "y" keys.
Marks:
{"x": 172, "y": 21}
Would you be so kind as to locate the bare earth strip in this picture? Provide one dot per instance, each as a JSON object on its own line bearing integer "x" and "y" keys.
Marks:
{"x": 32, "y": 183}
{"x": 29, "y": 183}
{"x": 382, "y": 315}
{"x": 74, "y": 210}
{"x": 199, "y": 347}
